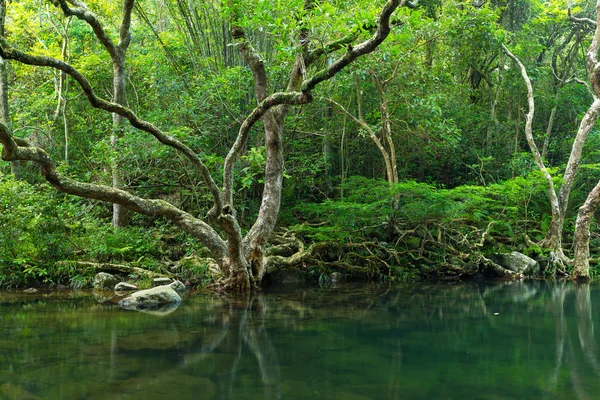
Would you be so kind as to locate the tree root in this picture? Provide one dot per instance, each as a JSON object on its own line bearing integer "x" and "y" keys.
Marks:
{"x": 112, "y": 268}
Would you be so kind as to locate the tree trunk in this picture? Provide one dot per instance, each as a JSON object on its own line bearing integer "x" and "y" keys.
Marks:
{"x": 553, "y": 241}
{"x": 15, "y": 167}
{"x": 120, "y": 213}
{"x": 581, "y": 262}
{"x": 549, "y": 129}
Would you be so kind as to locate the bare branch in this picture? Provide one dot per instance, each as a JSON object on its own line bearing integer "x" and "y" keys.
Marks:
{"x": 592, "y": 55}
{"x": 9, "y": 53}
{"x": 580, "y": 20}
{"x": 257, "y": 66}
{"x": 329, "y": 48}
{"x": 584, "y": 83}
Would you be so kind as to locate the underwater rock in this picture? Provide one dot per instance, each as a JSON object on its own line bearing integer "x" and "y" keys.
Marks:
{"x": 156, "y": 340}
{"x": 336, "y": 277}
{"x": 150, "y": 298}
{"x": 160, "y": 311}
{"x": 102, "y": 296}
{"x": 105, "y": 281}
{"x": 15, "y": 392}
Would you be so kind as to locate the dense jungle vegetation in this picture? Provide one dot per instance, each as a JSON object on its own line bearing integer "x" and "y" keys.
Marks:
{"x": 376, "y": 140}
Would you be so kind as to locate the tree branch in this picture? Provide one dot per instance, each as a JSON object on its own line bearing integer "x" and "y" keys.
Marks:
{"x": 352, "y": 53}
{"x": 9, "y": 53}
{"x": 11, "y": 151}
{"x": 287, "y": 98}
{"x": 257, "y": 66}
{"x": 82, "y": 12}
{"x": 554, "y": 203}
{"x": 124, "y": 31}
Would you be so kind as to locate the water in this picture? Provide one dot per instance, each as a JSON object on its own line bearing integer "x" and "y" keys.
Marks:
{"x": 426, "y": 341}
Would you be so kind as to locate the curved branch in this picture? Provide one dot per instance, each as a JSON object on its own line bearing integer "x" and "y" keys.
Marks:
{"x": 83, "y": 13}
{"x": 11, "y": 151}
{"x": 554, "y": 202}
{"x": 573, "y": 18}
{"x": 9, "y": 53}
{"x": 124, "y": 32}
{"x": 352, "y": 53}
{"x": 288, "y": 98}
{"x": 257, "y": 66}
{"x": 592, "y": 55}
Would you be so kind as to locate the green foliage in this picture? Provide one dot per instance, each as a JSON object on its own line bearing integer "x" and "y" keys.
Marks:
{"x": 370, "y": 209}
{"x": 42, "y": 230}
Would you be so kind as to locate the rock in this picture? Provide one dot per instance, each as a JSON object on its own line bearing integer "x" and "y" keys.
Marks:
{"x": 336, "y": 277}
{"x": 201, "y": 267}
{"x": 156, "y": 340}
{"x": 288, "y": 277}
{"x": 125, "y": 287}
{"x": 160, "y": 311}
{"x": 177, "y": 286}
{"x": 102, "y": 296}
{"x": 518, "y": 262}
{"x": 161, "y": 281}
{"x": 105, "y": 281}
{"x": 30, "y": 290}
{"x": 150, "y": 298}
{"x": 14, "y": 392}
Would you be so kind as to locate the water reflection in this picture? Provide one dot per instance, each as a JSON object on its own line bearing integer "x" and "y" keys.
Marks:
{"x": 507, "y": 340}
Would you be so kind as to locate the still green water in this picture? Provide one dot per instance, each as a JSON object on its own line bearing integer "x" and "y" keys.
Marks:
{"x": 515, "y": 340}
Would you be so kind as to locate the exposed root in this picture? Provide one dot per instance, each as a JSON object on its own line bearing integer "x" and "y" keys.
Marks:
{"x": 112, "y": 268}
{"x": 432, "y": 250}
{"x": 557, "y": 263}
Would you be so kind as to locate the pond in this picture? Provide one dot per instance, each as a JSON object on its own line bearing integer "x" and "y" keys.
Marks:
{"x": 505, "y": 340}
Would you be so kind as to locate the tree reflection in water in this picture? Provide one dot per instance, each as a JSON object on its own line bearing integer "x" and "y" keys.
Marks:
{"x": 503, "y": 340}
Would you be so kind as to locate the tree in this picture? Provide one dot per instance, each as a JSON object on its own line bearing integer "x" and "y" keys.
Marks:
{"x": 559, "y": 200}
{"x": 581, "y": 239}
{"x": 241, "y": 257}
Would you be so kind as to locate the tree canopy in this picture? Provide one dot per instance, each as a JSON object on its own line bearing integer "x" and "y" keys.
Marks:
{"x": 261, "y": 128}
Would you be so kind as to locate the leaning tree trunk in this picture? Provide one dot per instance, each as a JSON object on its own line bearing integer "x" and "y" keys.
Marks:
{"x": 554, "y": 243}
{"x": 553, "y": 239}
{"x": 581, "y": 262}
{"x": 581, "y": 239}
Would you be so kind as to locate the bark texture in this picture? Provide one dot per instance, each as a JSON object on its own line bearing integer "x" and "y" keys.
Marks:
{"x": 581, "y": 239}
{"x": 559, "y": 201}
{"x": 241, "y": 258}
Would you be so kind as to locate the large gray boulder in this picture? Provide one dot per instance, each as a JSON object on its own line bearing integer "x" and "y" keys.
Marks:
{"x": 105, "y": 281}
{"x": 177, "y": 286}
{"x": 151, "y": 298}
{"x": 518, "y": 262}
